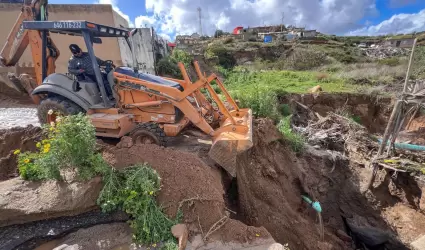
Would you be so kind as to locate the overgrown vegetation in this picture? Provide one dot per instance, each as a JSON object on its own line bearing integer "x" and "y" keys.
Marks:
{"x": 295, "y": 140}
{"x": 168, "y": 66}
{"x": 70, "y": 145}
{"x": 223, "y": 57}
{"x": 133, "y": 190}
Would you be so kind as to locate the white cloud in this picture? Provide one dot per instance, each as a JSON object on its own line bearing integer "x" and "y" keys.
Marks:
{"x": 145, "y": 21}
{"x": 330, "y": 16}
{"x": 397, "y": 24}
{"x": 114, "y": 4}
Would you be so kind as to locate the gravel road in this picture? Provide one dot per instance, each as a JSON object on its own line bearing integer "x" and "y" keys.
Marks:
{"x": 18, "y": 117}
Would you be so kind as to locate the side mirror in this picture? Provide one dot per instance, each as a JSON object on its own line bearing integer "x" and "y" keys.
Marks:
{"x": 97, "y": 40}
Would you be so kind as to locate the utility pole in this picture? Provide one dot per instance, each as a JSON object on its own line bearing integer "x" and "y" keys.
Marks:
{"x": 200, "y": 20}
{"x": 281, "y": 25}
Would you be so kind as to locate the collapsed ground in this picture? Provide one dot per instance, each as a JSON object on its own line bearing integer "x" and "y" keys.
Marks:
{"x": 263, "y": 202}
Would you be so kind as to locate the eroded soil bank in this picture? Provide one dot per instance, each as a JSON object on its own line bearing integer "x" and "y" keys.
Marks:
{"x": 266, "y": 202}
{"x": 272, "y": 178}
{"x": 369, "y": 110}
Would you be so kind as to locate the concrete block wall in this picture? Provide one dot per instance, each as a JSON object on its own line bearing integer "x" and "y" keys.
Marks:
{"x": 98, "y": 13}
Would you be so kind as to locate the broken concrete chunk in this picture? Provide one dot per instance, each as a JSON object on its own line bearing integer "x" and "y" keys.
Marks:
{"x": 31, "y": 201}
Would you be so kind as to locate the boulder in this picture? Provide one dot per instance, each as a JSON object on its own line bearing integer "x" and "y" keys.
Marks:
{"x": 23, "y": 201}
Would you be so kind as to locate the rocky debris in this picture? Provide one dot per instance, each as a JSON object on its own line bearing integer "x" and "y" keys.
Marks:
{"x": 181, "y": 233}
{"x": 418, "y": 244}
{"x": 24, "y": 139}
{"x": 22, "y": 201}
{"x": 382, "y": 52}
{"x": 30, "y": 235}
{"x": 125, "y": 142}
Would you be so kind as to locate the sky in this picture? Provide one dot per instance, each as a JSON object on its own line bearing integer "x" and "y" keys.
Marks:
{"x": 340, "y": 17}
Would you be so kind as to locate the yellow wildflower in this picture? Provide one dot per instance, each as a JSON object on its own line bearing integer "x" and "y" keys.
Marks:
{"x": 17, "y": 152}
{"x": 151, "y": 193}
{"x": 38, "y": 145}
{"x": 257, "y": 235}
{"x": 27, "y": 160}
{"x": 46, "y": 148}
{"x": 154, "y": 244}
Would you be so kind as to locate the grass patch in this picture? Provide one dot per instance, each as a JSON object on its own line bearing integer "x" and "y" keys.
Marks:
{"x": 282, "y": 82}
{"x": 296, "y": 141}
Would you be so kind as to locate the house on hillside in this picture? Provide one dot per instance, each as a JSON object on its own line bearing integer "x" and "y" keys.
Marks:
{"x": 400, "y": 41}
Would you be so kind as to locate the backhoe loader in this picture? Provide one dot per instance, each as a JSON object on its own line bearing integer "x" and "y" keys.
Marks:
{"x": 147, "y": 108}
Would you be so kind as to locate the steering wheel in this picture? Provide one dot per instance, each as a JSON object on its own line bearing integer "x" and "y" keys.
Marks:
{"x": 109, "y": 66}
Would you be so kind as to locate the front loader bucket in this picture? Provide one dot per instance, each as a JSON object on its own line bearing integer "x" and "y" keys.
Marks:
{"x": 234, "y": 140}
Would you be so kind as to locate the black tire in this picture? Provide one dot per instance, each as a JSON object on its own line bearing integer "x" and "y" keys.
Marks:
{"x": 149, "y": 133}
{"x": 57, "y": 104}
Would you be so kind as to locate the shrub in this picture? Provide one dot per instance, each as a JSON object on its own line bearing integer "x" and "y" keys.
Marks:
{"x": 228, "y": 40}
{"x": 225, "y": 58}
{"x": 391, "y": 61}
{"x": 167, "y": 67}
{"x": 322, "y": 77}
{"x": 285, "y": 109}
{"x": 179, "y": 55}
{"x": 296, "y": 141}
{"x": 305, "y": 59}
{"x": 70, "y": 144}
{"x": 262, "y": 100}
{"x": 133, "y": 191}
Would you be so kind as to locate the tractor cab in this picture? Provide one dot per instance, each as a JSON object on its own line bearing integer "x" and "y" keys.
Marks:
{"x": 88, "y": 93}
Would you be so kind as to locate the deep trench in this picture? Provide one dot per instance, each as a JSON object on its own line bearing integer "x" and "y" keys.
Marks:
{"x": 267, "y": 193}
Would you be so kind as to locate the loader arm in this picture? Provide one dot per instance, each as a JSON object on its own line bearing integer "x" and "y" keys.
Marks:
{"x": 234, "y": 135}
{"x": 19, "y": 39}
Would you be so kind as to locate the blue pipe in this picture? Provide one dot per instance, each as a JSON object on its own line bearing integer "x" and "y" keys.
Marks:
{"x": 314, "y": 204}
{"x": 406, "y": 146}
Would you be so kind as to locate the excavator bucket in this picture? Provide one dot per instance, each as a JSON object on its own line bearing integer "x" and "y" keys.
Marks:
{"x": 234, "y": 136}
{"x": 234, "y": 140}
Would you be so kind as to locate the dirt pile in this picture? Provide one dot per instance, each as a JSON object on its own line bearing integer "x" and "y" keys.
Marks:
{"x": 192, "y": 185}
{"x": 24, "y": 139}
{"x": 271, "y": 180}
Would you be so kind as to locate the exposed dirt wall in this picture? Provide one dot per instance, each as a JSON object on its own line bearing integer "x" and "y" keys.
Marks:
{"x": 372, "y": 111}
{"x": 12, "y": 139}
{"x": 271, "y": 179}
{"x": 188, "y": 182}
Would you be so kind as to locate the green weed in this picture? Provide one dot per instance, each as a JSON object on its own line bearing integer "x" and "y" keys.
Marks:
{"x": 70, "y": 143}
{"x": 296, "y": 141}
{"x": 133, "y": 191}
{"x": 391, "y": 61}
{"x": 285, "y": 109}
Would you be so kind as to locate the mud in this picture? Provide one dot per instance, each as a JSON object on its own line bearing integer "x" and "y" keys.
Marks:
{"x": 188, "y": 182}
{"x": 30, "y": 235}
{"x": 24, "y": 139}
{"x": 370, "y": 111}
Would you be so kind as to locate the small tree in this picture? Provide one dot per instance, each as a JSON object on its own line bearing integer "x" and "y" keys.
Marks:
{"x": 218, "y": 33}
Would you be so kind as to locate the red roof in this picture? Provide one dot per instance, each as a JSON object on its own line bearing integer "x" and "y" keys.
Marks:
{"x": 236, "y": 30}
{"x": 171, "y": 44}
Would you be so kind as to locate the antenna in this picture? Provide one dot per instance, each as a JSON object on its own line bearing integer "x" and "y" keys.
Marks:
{"x": 200, "y": 20}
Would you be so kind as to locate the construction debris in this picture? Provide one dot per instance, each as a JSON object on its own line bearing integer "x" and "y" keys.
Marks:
{"x": 381, "y": 52}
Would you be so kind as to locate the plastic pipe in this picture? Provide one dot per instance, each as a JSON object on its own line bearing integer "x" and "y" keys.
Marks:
{"x": 406, "y": 146}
